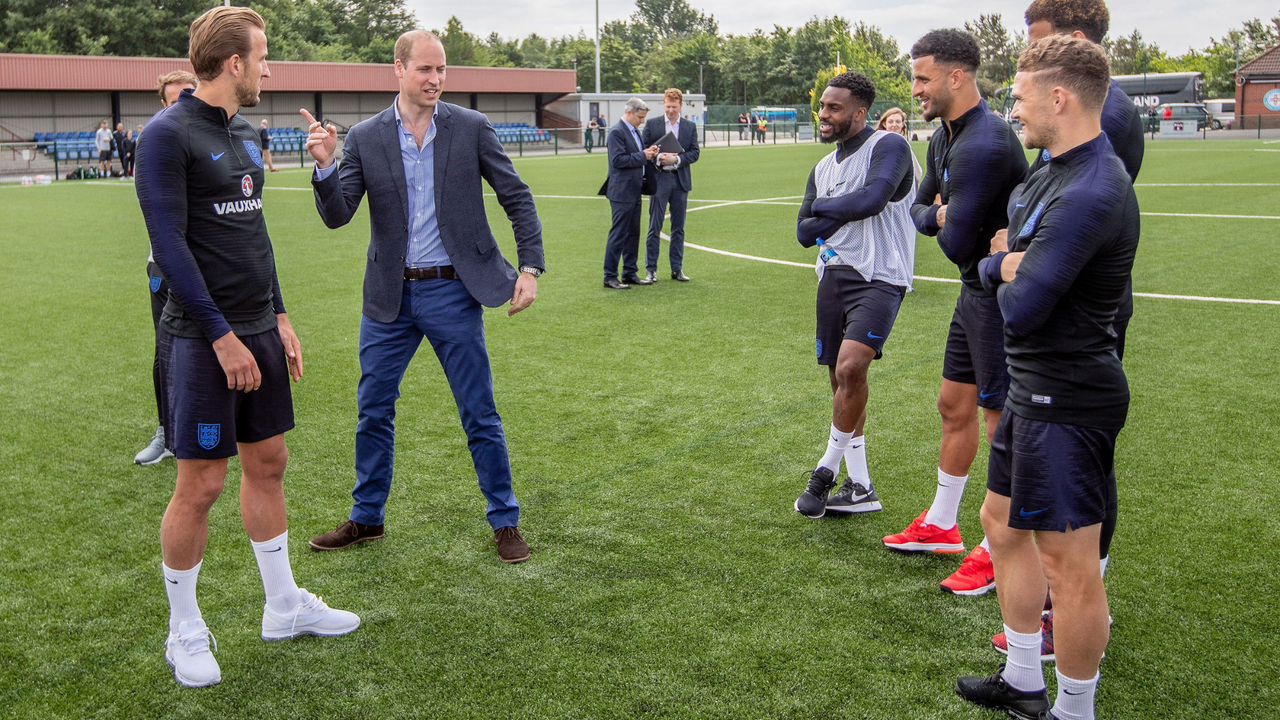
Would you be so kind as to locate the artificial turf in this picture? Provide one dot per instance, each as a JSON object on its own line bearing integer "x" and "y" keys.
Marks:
{"x": 658, "y": 437}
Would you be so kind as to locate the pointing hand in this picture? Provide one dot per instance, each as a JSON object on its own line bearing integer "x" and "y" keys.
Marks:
{"x": 322, "y": 141}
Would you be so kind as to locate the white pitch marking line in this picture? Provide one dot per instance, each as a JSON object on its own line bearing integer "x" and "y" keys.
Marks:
{"x": 1197, "y": 215}
{"x": 1206, "y": 184}
{"x": 926, "y": 278}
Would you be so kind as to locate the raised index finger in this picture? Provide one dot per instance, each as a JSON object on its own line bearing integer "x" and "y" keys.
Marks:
{"x": 307, "y": 115}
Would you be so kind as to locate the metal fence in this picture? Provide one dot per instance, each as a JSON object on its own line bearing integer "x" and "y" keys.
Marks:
{"x": 57, "y": 160}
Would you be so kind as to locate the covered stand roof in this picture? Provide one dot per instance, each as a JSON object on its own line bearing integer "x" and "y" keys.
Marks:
{"x": 100, "y": 73}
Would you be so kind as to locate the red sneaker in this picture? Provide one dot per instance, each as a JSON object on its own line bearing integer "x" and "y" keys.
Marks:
{"x": 976, "y": 575}
{"x": 1001, "y": 643}
{"x": 920, "y": 536}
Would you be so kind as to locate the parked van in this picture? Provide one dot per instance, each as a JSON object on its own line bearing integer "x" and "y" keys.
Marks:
{"x": 1222, "y": 111}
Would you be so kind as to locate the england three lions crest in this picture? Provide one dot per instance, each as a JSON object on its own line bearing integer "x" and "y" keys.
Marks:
{"x": 255, "y": 154}
{"x": 208, "y": 434}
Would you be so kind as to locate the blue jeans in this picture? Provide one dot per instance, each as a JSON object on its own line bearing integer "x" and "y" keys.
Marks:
{"x": 453, "y": 322}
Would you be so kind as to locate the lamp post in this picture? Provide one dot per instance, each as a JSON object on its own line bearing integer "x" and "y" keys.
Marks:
{"x": 597, "y": 47}
{"x": 701, "y": 64}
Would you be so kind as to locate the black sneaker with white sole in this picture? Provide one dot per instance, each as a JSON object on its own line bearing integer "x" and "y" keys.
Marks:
{"x": 854, "y": 497}
{"x": 812, "y": 503}
{"x": 993, "y": 692}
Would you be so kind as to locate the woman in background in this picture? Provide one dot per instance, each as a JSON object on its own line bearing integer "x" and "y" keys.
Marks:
{"x": 895, "y": 120}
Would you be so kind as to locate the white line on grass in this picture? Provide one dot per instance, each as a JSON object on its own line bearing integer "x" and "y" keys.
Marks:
{"x": 1206, "y": 184}
{"x": 790, "y": 263}
{"x": 1197, "y": 215}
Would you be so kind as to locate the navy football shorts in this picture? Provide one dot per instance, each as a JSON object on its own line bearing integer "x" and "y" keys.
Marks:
{"x": 975, "y": 349}
{"x": 1055, "y": 475}
{"x": 204, "y": 418}
{"x": 850, "y": 308}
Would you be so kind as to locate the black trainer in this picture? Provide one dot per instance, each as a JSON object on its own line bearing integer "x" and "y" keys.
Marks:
{"x": 812, "y": 503}
{"x": 853, "y": 497}
{"x": 993, "y": 692}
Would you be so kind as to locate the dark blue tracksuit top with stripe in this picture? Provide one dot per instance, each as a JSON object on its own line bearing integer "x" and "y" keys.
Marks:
{"x": 199, "y": 182}
{"x": 974, "y": 163}
{"x": 1122, "y": 124}
{"x": 1077, "y": 221}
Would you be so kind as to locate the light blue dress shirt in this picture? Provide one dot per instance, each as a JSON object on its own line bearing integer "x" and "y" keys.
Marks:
{"x": 426, "y": 249}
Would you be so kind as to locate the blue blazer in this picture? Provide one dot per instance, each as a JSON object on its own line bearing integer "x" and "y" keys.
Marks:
{"x": 466, "y": 151}
{"x": 655, "y": 128}
{"x": 626, "y": 165}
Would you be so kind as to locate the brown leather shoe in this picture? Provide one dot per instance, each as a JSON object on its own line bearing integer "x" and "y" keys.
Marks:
{"x": 511, "y": 547}
{"x": 347, "y": 534}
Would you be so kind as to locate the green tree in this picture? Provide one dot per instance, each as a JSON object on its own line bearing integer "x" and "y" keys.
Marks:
{"x": 673, "y": 18}
{"x": 1000, "y": 50}
{"x": 461, "y": 47}
{"x": 742, "y": 68}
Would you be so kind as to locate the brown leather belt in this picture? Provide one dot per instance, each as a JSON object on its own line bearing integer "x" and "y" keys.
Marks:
{"x": 444, "y": 272}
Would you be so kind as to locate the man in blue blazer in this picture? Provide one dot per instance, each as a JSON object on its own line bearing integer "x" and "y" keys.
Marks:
{"x": 629, "y": 160}
{"x": 431, "y": 267}
{"x": 673, "y": 184}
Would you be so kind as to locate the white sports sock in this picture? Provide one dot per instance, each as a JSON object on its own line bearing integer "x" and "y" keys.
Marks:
{"x": 985, "y": 544}
{"x": 277, "y": 577}
{"x": 1022, "y": 670}
{"x": 836, "y": 446}
{"x": 855, "y": 461}
{"x": 946, "y": 501}
{"x": 1102, "y": 565}
{"x": 180, "y": 586}
{"x": 1075, "y": 697}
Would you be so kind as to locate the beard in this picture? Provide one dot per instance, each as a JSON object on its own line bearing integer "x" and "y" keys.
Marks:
{"x": 838, "y": 130}
{"x": 938, "y": 106}
{"x": 247, "y": 94}
{"x": 1040, "y": 138}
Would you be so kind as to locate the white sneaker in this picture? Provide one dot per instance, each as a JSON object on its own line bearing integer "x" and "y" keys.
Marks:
{"x": 311, "y": 616}
{"x": 187, "y": 652}
{"x": 155, "y": 451}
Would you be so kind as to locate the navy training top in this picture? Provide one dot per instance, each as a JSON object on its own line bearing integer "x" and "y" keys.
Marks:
{"x": 974, "y": 163}
{"x": 1077, "y": 221}
{"x": 1123, "y": 125}
{"x": 199, "y": 182}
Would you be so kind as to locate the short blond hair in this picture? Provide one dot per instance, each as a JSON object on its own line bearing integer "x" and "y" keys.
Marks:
{"x": 1074, "y": 63}
{"x": 404, "y": 43}
{"x": 673, "y": 94}
{"x": 219, "y": 34}
{"x": 177, "y": 77}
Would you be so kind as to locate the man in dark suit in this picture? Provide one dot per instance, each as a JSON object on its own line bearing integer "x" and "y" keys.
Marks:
{"x": 629, "y": 160}
{"x": 673, "y": 184}
{"x": 432, "y": 264}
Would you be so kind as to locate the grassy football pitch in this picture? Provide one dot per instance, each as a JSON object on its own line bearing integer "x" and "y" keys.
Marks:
{"x": 658, "y": 438}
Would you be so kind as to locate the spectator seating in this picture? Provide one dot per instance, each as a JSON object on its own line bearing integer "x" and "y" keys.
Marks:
{"x": 521, "y": 133}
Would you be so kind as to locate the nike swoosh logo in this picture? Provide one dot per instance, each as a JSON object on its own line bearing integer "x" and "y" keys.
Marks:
{"x": 215, "y": 157}
{"x": 1071, "y": 693}
{"x": 984, "y": 396}
{"x": 276, "y": 550}
{"x": 175, "y": 582}
{"x": 1023, "y": 512}
{"x": 874, "y": 337}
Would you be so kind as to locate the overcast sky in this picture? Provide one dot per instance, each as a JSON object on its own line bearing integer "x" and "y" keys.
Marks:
{"x": 1175, "y": 25}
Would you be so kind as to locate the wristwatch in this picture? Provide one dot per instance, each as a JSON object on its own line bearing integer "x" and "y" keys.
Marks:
{"x": 536, "y": 272}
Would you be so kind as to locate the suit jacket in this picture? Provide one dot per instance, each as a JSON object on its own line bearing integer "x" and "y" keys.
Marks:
{"x": 655, "y": 128}
{"x": 627, "y": 165}
{"x": 466, "y": 151}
